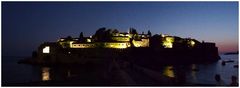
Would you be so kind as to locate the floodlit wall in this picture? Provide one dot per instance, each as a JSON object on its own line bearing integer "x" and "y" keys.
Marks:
{"x": 105, "y": 45}
{"x": 66, "y": 44}
{"x": 115, "y": 45}
{"x": 83, "y": 45}
{"x": 121, "y": 39}
{"x": 168, "y": 42}
{"x": 142, "y": 43}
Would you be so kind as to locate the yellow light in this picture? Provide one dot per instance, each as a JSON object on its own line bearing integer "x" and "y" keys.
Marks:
{"x": 89, "y": 40}
{"x": 70, "y": 43}
{"x": 168, "y": 42}
{"x": 115, "y": 45}
{"x": 128, "y": 45}
{"x": 45, "y": 74}
{"x": 46, "y": 49}
{"x": 170, "y": 39}
{"x": 168, "y": 71}
{"x": 192, "y": 43}
{"x": 136, "y": 43}
{"x": 122, "y": 39}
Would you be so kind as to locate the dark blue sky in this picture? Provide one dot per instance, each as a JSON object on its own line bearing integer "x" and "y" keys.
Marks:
{"x": 26, "y": 25}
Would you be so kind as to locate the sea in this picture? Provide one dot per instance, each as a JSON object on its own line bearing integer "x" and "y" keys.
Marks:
{"x": 12, "y": 72}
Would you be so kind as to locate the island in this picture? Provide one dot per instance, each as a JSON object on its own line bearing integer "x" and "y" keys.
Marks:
{"x": 105, "y": 45}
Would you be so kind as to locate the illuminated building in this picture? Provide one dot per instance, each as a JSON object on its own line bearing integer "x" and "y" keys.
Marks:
{"x": 122, "y": 40}
{"x": 111, "y": 43}
{"x": 116, "y": 40}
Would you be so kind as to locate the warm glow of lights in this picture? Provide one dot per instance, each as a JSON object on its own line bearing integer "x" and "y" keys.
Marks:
{"x": 168, "y": 71}
{"x": 136, "y": 43}
{"x": 45, "y": 74}
{"x": 192, "y": 43}
{"x": 89, "y": 40}
{"x": 162, "y": 35}
{"x": 128, "y": 45}
{"x": 46, "y": 49}
{"x": 83, "y": 45}
{"x": 121, "y": 39}
{"x": 70, "y": 43}
{"x": 142, "y": 43}
{"x": 121, "y": 34}
{"x": 168, "y": 42}
{"x": 115, "y": 45}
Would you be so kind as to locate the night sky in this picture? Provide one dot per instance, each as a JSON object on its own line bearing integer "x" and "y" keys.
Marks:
{"x": 26, "y": 25}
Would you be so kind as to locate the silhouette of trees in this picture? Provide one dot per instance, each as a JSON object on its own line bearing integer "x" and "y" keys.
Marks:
{"x": 34, "y": 54}
{"x": 69, "y": 38}
{"x": 115, "y": 31}
{"x": 81, "y": 38}
{"x": 103, "y": 35}
{"x": 156, "y": 41}
{"x": 98, "y": 36}
{"x": 149, "y": 33}
{"x": 133, "y": 31}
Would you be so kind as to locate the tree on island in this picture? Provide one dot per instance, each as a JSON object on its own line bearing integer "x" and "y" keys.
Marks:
{"x": 156, "y": 41}
{"x": 104, "y": 35}
{"x": 69, "y": 38}
{"x": 81, "y": 38}
{"x": 98, "y": 36}
{"x": 115, "y": 31}
{"x": 149, "y": 33}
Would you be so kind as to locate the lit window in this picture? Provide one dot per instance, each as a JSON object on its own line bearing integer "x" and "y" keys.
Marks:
{"x": 46, "y": 49}
{"x": 88, "y": 40}
{"x": 192, "y": 43}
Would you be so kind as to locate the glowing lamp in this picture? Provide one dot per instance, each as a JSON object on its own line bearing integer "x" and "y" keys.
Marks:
{"x": 88, "y": 40}
{"x": 192, "y": 43}
{"x": 46, "y": 49}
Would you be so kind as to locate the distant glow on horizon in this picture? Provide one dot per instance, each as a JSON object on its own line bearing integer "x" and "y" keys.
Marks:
{"x": 46, "y": 49}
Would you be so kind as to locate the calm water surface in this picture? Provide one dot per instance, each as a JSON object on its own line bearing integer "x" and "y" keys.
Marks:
{"x": 20, "y": 73}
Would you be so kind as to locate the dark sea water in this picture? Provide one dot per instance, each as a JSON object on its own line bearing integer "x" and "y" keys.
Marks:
{"x": 12, "y": 72}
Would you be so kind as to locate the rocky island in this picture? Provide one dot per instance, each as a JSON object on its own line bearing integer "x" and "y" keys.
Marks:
{"x": 140, "y": 48}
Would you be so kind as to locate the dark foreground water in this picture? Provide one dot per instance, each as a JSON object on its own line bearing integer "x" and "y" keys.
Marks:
{"x": 192, "y": 74}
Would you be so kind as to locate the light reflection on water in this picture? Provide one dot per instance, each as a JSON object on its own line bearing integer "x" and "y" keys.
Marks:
{"x": 202, "y": 74}
{"x": 46, "y": 74}
{"x": 168, "y": 71}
